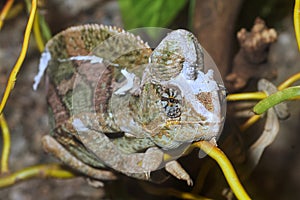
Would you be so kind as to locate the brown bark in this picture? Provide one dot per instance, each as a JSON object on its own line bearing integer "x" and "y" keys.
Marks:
{"x": 214, "y": 23}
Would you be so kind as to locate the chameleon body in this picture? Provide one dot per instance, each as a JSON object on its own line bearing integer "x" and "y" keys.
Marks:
{"x": 117, "y": 104}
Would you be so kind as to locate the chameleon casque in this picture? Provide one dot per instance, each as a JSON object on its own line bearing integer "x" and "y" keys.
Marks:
{"x": 116, "y": 105}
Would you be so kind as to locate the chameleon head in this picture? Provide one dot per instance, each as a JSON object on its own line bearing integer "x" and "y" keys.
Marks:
{"x": 186, "y": 101}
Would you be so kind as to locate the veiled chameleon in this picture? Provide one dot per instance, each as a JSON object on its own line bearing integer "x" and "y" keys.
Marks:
{"x": 117, "y": 104}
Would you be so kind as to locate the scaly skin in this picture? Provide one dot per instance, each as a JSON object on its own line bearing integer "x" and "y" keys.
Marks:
{"x": 117, "y": 104}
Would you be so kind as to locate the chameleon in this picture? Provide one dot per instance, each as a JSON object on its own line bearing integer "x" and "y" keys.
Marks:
{"x": 119, "y": 106}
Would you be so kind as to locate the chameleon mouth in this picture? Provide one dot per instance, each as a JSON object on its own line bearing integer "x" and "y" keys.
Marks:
{"x": 178, "y": 122}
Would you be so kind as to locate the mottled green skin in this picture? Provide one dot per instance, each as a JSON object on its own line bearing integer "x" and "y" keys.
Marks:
{"x": 128, "y": 131}
{"x": 74, "y": 90}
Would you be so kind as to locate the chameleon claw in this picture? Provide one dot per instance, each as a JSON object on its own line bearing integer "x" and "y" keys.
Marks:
{"x": 174, "y": 168}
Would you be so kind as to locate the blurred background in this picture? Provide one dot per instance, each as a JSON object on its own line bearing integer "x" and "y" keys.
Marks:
{"x": 215, "y": 23}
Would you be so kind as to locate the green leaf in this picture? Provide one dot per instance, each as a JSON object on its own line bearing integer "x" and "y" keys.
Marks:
{"x": 149, "y": 13}
{"x": 276, "y": 98}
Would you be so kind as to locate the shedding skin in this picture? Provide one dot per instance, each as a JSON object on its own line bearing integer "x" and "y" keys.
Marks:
{"x": 116, "y": 104}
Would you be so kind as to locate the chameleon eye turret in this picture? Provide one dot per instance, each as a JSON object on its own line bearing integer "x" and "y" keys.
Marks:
{"x": 171, "y": 100}
{"x": 115, "y": 103}
{"x": 181, "y": 66}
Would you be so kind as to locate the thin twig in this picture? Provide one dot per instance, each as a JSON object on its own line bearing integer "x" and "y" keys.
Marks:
{"x": 252, "y": 120}
{"x": 38, "y": 171}
{"x": 14, "y": 72}
{"x": 288, "y": 82}
{"x": 246, "y": 96}
{"x": 4, "y": 11}
{"x": 171, "y": 192}
{"x": 37, "y": 33}
{"x": 297, "y": 21}
{"x": 232, "y": 179}
{"x": 6, "y": 146}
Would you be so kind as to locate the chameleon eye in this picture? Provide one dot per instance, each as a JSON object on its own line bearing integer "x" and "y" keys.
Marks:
{"x": 171, "y": 102}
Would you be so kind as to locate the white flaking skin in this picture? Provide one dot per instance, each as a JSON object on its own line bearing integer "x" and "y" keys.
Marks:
{"x": 44, "y": 60}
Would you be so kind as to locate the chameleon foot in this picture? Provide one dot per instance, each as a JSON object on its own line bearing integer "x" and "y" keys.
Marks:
{"x": 174, "y": 168}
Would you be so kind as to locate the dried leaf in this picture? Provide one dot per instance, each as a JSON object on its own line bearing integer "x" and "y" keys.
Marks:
{"x": 256, "y": 150}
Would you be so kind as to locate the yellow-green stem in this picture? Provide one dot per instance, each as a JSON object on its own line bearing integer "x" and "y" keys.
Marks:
{"x": 246, "y": 96}
{"x": 39, "y": 171}
{"x": 14, "y": 72}
{"x": 225, "y": 165}
{"x": 37, "y": 33}
{"x": 6, "y": 146}
{"x": 297, "y": 21}
{"x": 4, "y": 11}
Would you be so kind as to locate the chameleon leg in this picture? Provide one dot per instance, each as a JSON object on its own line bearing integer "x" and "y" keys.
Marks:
{"x": 109, "y": 154}
{"x": 139, "y": 144}
{"x": 52, "y": 146}
{"x": 174, "y": 168}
